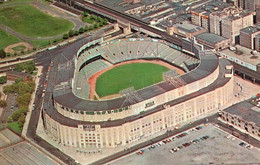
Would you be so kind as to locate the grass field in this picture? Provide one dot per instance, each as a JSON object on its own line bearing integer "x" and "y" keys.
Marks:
{"x": 137, "y": 75}
{"x": 7, "y": 39}
{"x": 30, "y": 21}
{"x": 15, "y": 127}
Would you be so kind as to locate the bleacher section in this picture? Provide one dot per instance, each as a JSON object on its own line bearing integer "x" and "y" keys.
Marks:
{"x": 130, "y": 50}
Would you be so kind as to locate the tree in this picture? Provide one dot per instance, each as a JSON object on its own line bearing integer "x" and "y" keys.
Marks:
{"x": 86, "y": 28}
{"x": 91, "y": 27}
{"x": 19, "y": 68}
{"x": 85, "y": 14}
{"x": 2, "y": 53}
{"x": 21, "y": 120}
{"x": 18, "y": 80}
{"x": 76, "y": 33}
{"x": 24, "y": 100}
{"x": 9, "y": 119}
{"x": 3, "y": 103}
{"x": 65, "y": 36}
{"x": 96, "y": 26}
{"x": 15, "y": 115}
{"x": 105, "y": 21}
{"x": 81, "y": 30}
{"x": 3, "y": 80}
{"x": 71, "y": 33}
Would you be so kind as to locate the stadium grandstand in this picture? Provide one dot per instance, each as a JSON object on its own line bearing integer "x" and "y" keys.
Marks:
{"x": 73, "y": 119}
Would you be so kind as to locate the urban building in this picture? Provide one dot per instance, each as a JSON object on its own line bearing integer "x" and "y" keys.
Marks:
{"x": 231, "y": 25}
{"x": 247, "y": 36}
{"x": 257, "y": 42}
{"x": 13, "y": 75}
{"x": 243, "y": 116}
{"x": 201, "y": 15}
{"x": 216, "y": 17}
{"x": 251, "y": 5}
{"x": 213, "y": 41}
{"x": 185, "y": 29}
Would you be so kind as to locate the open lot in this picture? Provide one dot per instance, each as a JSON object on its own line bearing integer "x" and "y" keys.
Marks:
{"x": 7, "y": 138}
{"x": 29, "y": 21}
{"x": 217, "y": 149}
{"x": 24, "y": 153}
{"x": 7, "y": 39}
{"x": 137, "y": 75}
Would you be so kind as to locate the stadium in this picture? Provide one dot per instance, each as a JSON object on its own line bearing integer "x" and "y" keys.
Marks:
{"x": 107, "y": 94}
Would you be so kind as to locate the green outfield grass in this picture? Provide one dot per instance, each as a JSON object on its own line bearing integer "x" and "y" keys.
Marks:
{"x": 30, "y": 21}
{"x": 7, "y": 39}
{"x": 137, "y": 75}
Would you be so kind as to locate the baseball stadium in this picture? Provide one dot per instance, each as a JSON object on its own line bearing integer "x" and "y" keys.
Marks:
{"x": 112, "y": 93}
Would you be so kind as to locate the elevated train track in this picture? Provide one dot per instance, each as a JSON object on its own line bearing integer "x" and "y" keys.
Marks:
{"x": 114, "y": 14}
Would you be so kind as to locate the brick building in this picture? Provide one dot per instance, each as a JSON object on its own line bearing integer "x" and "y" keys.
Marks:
{"x": 247, "y": 36}
{"x": 245, "y": 116}
{"x": 13, "y": 75}
{"x": 231, "y": 25}
{"x": 185, "y": 29}
{"x": 213, "y": 41}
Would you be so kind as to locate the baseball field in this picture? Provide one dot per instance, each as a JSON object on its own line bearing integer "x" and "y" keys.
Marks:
{"x": 137, "y": 75}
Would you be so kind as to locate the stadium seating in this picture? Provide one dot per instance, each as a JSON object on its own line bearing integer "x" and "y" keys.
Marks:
{"x": 122, "y": 51}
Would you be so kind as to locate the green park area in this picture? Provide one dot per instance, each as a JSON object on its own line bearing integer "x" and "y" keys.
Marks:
{"x": 31, "y": 22}
{"x": 137, "y": 75}
{"x": 7, "y": 39}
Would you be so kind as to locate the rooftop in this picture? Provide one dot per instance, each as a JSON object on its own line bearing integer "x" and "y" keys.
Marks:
{"x": 244, "y": 110}
{"x": 246, "y": 55}
{"x": 15, "y": 73}
{"x": 187, "y": 27}
{"x": 250, "y": 29}
{"x": 210, "y": 37}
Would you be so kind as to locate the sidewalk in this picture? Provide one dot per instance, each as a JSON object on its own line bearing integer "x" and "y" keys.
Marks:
{"x": 28, "y": 116}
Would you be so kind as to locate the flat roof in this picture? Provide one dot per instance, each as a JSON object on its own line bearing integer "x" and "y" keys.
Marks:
{"x": 246, "y": 56}
{"x": 250, "y": 30}
{"x": 15, "y": 73}
{"x": 245, "y": 111}
{"x": 210, "y": 37}
{"x": 188, "y": 27}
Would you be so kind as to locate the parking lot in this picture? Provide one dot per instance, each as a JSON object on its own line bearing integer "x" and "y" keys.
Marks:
{"x": 217, "y": 147}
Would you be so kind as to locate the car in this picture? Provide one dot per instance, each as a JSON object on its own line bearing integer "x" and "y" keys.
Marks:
{"x": 180, "y": 147}
{"x": 168, "y": 140}
{"x": 202, "y": 138}
{"x": 173, "y": 139}
{"x": 242, "y": 144}
{"x": 229, "y": 136}
{"x": 152, "y": 146}
{"x": 194, "y": 130}
{"x": 171, "y": 151}
{"x": 249, "y": 147}
{"x": 164, "y": 141}
{"x": 175, "y": 149}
